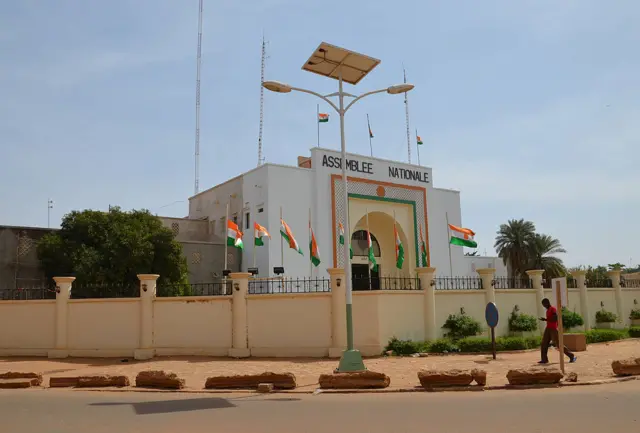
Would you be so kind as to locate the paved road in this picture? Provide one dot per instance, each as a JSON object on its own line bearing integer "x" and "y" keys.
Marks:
{"x": 610, "y": 408}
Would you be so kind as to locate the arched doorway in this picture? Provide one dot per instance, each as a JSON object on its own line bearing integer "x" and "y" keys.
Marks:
{"x": 362, "y": 277}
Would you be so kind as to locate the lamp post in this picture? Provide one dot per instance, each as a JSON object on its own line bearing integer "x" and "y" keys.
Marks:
{"x": 351, "y": 359}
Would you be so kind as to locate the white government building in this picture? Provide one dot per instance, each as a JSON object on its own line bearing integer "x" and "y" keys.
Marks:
{"x": 378, "y": 188}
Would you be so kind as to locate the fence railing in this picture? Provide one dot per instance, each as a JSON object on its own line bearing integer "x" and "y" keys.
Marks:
{"x": 28, "y": 293}
{"x": 266, "y": 286}
{"x": 214, "y": 288}
{"x": 385, "y": 283}
{"x": 458, "y": 283}
{"x": 97, "y": 290}
{"x": 601, "y": 283}
{"x": 572, "y": 283}
{"x": 512, "y": 283}
{"x": 630, "y": 284}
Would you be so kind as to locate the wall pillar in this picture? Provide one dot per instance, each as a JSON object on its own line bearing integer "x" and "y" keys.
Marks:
{"x": 486, "y": 274}
{"x": 63, "y": 293}
{"x": 338, "y": 312}
{"x": 145, "y": 348}
{"x": 615, "y": 282}
{"x": 428, "y": 285}
{"x": 240, "y": 337}
{"x": 536, "y": 280}
{"x": 580, "y": 277}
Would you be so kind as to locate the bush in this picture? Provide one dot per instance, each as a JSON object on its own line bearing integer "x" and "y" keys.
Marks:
{"x": 443, "y": 345}
{"x": 602, "y": 335}
{"x": 634, "y": 332}
{"x": 604, "y": 316}
{"x": 635, "y": 314}
{"x": 511, "y": 343}
{"x": 533, "y": 342}
{"x": 483, "y": 344}
{"x": 519, "y": 322}
{"x": 405, "y": 347}
{"x": 475, "y": 344}
{"x": 461, "y": 325}
{"x": 571, "y": 319}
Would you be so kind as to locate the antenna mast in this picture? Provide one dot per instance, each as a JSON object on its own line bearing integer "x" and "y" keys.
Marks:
{"x": 262, "y": 66}
{"x": 406, "y": 109}
{"x": 198, "y": 67}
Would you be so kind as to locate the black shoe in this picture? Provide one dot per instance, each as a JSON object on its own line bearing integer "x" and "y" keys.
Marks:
{"x": 543, "y": 362}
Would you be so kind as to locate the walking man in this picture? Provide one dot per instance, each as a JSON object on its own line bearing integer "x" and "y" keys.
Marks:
{"x": 551, "y": 333}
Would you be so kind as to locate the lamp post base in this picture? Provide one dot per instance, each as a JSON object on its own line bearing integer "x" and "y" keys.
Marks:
{"x": 350, "y": 361}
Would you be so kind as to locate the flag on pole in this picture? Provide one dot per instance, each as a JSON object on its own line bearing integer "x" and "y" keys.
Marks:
{"x": 314, "y": 252}
{"x": 419, "y": 140}
{"x": 285, "y": 231}
{"x": 258, "y": 233}
{"x": 369, "y": 125}
{"x": 372, "y": 258}
{"x": 234, "y": 235}
{"x": 323, "y": 117}
{"x": 423, "y": 249}
{"x": 399, "y": 248}
{"x": 341, "y": 239}
{"x": 462, "y": 237}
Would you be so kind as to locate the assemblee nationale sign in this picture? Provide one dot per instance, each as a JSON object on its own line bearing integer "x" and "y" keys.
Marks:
{"x": 367, "y": 168}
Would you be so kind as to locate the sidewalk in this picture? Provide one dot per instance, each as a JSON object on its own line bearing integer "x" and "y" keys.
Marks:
{"x": 593, "y": 364}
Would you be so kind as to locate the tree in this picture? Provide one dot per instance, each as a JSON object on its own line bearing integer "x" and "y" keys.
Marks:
{"x": 513, "y": 243}
{"x": 541, "y": 248}
{"x": 616, "y": 266}
{"x": 111, "y": 248}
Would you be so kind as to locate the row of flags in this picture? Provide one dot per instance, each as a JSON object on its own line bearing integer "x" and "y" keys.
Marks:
{"x": 324, "y": 118}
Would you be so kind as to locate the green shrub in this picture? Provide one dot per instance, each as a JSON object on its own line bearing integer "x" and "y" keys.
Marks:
{"x": 404, "y": 347}
{"x": 635, "y": 314}
{"x": 602, "y": 335}
{"x": 461, "y": 325}
{"x": 533, "y": 342}
{"x": 474, "y": 344}
{"x": 511, "y": 343}
{"x": 483, "y": 344}
{"x": 443, "y": 345}
{"x": 571, "y": 319}
{"x": 634, "y": 332}
{"x": 519, "y": 322}
{"x": 604, "y": 316}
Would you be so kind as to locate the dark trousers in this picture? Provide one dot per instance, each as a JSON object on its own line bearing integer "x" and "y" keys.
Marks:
{"x": 551, "y": 335}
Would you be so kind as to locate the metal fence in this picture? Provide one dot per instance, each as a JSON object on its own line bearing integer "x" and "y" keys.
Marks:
{"x": 601, "y": 283}
{"x": 458, "y": 283}
{"x": 215, "y": 288}
{"x": 512, "y": 283}
{"x": 572, "y": 283}
{"x": 385, "y": 283}
{"x": 29, "y": 293}
{"x": 631, "y": 284}
{"x": 266, "y": 286}
{"x": 98, "y": 290}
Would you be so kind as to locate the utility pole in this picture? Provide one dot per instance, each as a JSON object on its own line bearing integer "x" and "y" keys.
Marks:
{"x": 49, "y": 207}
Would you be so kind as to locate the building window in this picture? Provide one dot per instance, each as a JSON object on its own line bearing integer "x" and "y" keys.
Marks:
{"x": 246, "y": 221}
{"x": 260, "y": 209}
{"x": 222, "y": 225}
{"x": 359, "y": 244}
{"x": 175, "y": 228}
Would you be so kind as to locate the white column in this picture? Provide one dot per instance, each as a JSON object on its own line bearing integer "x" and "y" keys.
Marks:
{"x": 147, "y": 296}
{"x": 427, "y": 284}
{"x": 615, "y": 280}
{"x": 536, "y": 280}
{"x": 486, "y": 275}
{"x": 580, "y": 277}
{"x": 338, "y": 312}
{"x": 239, "y": 288}
{"x": 63, "y": 292}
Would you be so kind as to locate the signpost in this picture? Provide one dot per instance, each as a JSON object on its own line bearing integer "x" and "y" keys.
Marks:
{"x": 491, "y": 315}
{"x": 560, "y": 285}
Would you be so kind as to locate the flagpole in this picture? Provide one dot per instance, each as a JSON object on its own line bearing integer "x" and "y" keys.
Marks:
{"x": 281, "y": 242}
{"x": 226, "y": 241}
{"x": 369, "y": 126}
{"x": 418, "y": 146}
{"x": 449, "y": 243}
{"x": 318, "y": 123}
{"x": 396, "y": 245}
{"x": 368, "y": 238}
{"x": 310, "y": 248}
{"x": 254, "y": 246}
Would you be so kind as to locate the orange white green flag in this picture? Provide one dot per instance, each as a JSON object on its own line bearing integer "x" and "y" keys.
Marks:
{"x": 323, "y": 117}
{"x": 234, "y": 235}
{"x": 341, "y": 238}
{"x": 399, "y": 248}
{"x": 258, "y": 233}
{"x": 285, "y": 231}
{"x": 462, "y": 237}
{"x": 423, "y": 249}
{"x": 372, "y": 258}
{"x": 313, "y": 248}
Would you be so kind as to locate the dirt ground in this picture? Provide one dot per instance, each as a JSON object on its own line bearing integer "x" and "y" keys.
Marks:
{"x": 593, "y": 364}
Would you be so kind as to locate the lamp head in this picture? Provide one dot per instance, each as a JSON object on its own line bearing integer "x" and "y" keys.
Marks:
{"x": 400, "y": 88}
{"x": 276, "y": 86}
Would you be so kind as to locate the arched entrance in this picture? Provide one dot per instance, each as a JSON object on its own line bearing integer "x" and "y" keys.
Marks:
{"x": 360, "y": 272}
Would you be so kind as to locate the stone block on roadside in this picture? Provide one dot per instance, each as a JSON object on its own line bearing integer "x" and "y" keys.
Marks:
{"x": 626, "y": 367}
{"x": 251, "y": 381}
{"x": 265, "y": 388}
{"x": 480, "y": 376}
{"x": 534, "y": 376}
{"x": 102, "y": 381}
{"x": 443, "y": 378}
{"x": 159, "y": 379}
{"x": 36, "y": 379}
{"x": 63, "y": 382}
{"x": 16, "y": 383}
{"x": 571, "y": 377}
{"x": 355, "y": 380}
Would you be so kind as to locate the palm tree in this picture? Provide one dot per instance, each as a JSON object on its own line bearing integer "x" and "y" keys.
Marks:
{"x": 540, "y": 255}
{"x": 513, "y": 242}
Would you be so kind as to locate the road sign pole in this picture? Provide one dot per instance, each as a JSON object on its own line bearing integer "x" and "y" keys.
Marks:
{"x": 493, "y": 342}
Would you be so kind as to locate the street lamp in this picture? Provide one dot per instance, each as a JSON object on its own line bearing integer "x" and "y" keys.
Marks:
{"x": 343, "y": 65}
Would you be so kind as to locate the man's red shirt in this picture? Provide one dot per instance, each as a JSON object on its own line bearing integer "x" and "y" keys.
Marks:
{"x": 552, "y": 323}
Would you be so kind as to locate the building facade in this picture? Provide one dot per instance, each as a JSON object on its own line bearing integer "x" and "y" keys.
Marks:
{"x": 380, "y": 192}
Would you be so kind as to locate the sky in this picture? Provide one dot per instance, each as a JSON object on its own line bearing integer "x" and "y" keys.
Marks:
{"x": 529, "y": 108}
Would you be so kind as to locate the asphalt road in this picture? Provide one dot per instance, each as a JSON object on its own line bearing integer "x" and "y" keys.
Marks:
{"x": 606, "y": 408}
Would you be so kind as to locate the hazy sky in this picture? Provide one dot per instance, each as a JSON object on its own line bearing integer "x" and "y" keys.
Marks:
{"x": 530, "y": 108}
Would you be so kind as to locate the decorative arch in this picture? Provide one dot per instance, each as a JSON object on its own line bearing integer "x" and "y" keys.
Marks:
{"x": 360, "y": 245}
